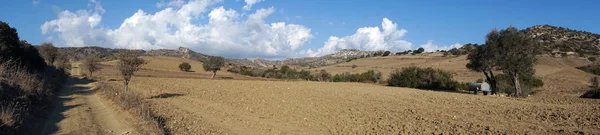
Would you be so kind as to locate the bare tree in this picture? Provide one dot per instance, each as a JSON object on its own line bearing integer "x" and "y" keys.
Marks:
{"x": 128, "y": 63}
{"x": 49, "y": 52}
{"x": 213, "y": 64}
{"x": 516, "y": 55}
{"x": 91, "y": 64}
{"x": 483, "y": 59}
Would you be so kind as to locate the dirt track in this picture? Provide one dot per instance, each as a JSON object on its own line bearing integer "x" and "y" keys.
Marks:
{"x": 199, "y": 106}
{"x": 80, "y": 111}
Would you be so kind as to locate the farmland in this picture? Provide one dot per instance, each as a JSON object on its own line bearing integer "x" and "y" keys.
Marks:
{"x": 194, "y": 104}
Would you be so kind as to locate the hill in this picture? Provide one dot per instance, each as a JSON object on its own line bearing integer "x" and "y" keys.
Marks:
{"x": 558, "y": 39}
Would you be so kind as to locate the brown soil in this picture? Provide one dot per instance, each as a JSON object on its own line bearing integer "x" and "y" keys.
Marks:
{"x": 80, "y": 111}
{"x": 201, "y": 106}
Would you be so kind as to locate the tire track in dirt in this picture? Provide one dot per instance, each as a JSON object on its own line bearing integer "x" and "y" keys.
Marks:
{"x": 80, "y": 111}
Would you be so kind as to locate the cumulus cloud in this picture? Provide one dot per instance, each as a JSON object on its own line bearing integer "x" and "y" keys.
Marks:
{"x": 35, "y": 2}
{"x": 249, "y": 3}
{"x": 171, "y": 3}
{"x": 430, "y": 47}
{"x": 225, "y": 34}
{"x": 388, "y": 37}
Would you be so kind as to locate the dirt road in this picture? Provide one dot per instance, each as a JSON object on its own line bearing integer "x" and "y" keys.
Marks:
{"x": 80, "y": 111}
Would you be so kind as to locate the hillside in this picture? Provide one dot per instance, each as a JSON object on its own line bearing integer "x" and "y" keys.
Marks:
{"x": 78, "y": 53}
{"x": 559, "y": 39}
{"x": 559, "y": 74}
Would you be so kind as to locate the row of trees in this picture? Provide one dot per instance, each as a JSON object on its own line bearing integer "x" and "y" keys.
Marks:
{"x": 509, "y": 51}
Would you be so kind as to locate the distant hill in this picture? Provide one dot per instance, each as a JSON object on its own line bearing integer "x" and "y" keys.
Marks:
{"x": 78, "y": 53}
{"x": 558, "y": 39}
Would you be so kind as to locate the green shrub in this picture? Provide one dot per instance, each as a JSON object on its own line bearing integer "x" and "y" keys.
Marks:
{"x": 593, "y": 93}
{"x": 505, "y": 84}
{"x": 366, "y": 77}
{"x": 422, "y": 78}
{"x": 479, "y": 80}
{"x": 386, "y": 53}
{"x": 185, "y": 67}
{"x": 592, "y": 59}
{"x": 593, "y": 69}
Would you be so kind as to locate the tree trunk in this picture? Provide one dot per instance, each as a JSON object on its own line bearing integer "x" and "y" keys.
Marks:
{"x": 516, "y": 84}
{"x": 214, "y": 74}
{"x": 491, "y": 80}
{"x": 126, "y": 86}
{"x": 493, "y": 85}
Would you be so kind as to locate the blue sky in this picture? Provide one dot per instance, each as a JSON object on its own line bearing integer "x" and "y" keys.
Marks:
{"x": 308, "y": 29}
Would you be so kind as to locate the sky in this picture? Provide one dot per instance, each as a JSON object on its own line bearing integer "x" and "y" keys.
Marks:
{"x": 276, "y": 29}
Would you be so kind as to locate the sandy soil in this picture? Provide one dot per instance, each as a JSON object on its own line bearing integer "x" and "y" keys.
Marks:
{"x": 80, "y": 111}
{"x": 201, "y": 106}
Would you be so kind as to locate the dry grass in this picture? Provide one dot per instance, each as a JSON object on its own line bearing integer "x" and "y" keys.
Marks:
{"x": 135, "y": 104}
{"x": 9, "y": 117}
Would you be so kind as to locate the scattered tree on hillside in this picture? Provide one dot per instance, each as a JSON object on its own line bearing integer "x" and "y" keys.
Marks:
{"x": 214, "y": 64}
{"x": 128, "y": 63}
{"x": 595, "y": 82}
{"x": 91, "y": 64}
{"x": 418, "y": 51}
{"x": 516, "y": 55}
{"x": 386, "y": 53}
{"x": 49, "y": 52}
{"x": 185, "y": 67}
{"x": 483, "y": 59}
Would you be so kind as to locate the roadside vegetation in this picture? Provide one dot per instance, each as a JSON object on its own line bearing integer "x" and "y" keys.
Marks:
{"x": 28, "y": 81}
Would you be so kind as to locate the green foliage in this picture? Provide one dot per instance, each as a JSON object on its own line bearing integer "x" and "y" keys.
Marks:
{"x": 386, "y": 53}
{"x": 592, "y": 59}
{"x": 479, "y": 80}
{"x": 285, "y": 72}
{"x": 505, "y": 84}
{"x": 423, "y": 78}
{"x": 418, "y": 51}
{"x": 185, "y": 67}
{"x": 366, "y": 77}
{"x": 213, "y": 64}
{"x": 593, "y": 93}
{"x": 593, "y": 69}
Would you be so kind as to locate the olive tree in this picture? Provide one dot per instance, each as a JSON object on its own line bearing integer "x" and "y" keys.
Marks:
{"x": 128, "y": 63}
{"x": 49, "y": 53}
{"x": 483, "y": 59}
{"x": 213, "y": 64}
{"x": 516, "y": 56}
{"x": 91, "y": 64}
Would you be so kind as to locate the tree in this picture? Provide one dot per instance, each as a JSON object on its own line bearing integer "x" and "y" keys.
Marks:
{"x": 91, "y": 64}
{"x": 128, "y": 63}
{"x": 49, "y": 52}
{"x": 386, "y": 53}
{"x": 185, "y": 67}
{"x": 418, "y": 51}
{"x": 516, "y": 55}
{"x": 213, "y": 64}
{"x": 483, "y": 59}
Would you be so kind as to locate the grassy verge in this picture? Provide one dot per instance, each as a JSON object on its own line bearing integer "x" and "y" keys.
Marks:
{"x": 137, "y": 105}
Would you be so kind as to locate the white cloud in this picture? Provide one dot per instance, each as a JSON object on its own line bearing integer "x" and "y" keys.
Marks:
{"x": 35, "y": 2}
{"x": 249, "y": 3}
{"x": 430, "y": 47}
{"x": 225, "y": 34}
{"x": 171, "y": 3}
{"x": 367, "y": 38}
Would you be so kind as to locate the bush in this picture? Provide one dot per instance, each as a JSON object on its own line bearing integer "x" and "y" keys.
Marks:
{"x": 592, "y": 59}
{"x": 366, "y": 77}
{"x": 595, "y": 82}
{"x": 185, "y": 67}
{"x": 354, "y": 66}
{"x": 422, "y": 78}
{"x": 505, "y": 84}
{"x": 322, "y": 75}
{"x": 386, "y": 53}
{"x": 479, "y": 80}
{"x": 593, "y": 69}
{"x": 593, "y": 93}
